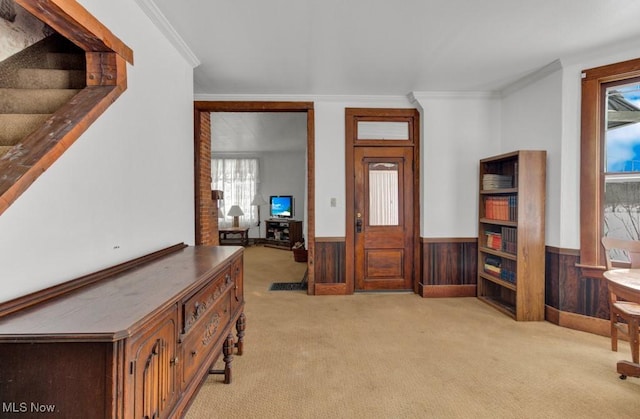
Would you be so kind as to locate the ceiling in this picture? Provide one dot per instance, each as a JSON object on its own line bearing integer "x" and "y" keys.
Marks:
{"x": 376, "y": 47}
{"x": 258, "y": 132}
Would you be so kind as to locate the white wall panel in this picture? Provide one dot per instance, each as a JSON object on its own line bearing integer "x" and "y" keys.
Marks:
{"x": 125, "y": 188}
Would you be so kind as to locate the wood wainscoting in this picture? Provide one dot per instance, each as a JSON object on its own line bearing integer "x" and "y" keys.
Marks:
{"x": 572, "y": 299}
{"x": 329, "y": 266}
{"x": 449, "y": 267}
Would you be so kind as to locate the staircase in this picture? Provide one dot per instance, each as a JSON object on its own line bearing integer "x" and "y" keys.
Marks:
{"x": 34, "y": 83}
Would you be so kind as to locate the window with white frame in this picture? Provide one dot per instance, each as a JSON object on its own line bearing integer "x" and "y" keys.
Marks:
{"x": 238, "y": 178}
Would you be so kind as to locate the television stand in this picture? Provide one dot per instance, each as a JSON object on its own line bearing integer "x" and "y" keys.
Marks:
{"x": 282, "y": 233}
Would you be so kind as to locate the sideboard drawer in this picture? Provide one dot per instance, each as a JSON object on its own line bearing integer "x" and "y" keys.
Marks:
{"x": 202, "y": 338}
{"x": 197, "y": 306}
{"x": 237, "y": 274}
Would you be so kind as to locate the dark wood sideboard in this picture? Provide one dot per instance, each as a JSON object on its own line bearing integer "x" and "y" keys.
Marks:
{"x": 136, "y": 344}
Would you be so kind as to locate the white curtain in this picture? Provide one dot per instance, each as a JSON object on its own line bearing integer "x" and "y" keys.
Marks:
{"x": 383, "y": 197}
{"x": 238, "y": 178}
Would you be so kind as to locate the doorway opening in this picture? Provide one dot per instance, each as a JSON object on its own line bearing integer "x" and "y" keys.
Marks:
{"x": 205, "y": 225}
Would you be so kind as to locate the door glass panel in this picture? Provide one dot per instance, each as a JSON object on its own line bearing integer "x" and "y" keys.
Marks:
{"x": 382, "y": 130}
{"x": 383, "y": 194}
{"x": 622, "y": 162}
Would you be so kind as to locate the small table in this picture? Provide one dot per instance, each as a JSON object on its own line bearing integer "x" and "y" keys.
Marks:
{"x": 242, "y": 231}
{"x": 625, "y": 283}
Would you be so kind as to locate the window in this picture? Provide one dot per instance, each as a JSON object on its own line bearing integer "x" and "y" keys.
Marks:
{"x": 622, "y": 161}
{"x": 238, "y": 178}
{"x": 609, "y": 172}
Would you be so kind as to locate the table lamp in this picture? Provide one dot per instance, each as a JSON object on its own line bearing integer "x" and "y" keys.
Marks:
{"x": 235, "y": 212}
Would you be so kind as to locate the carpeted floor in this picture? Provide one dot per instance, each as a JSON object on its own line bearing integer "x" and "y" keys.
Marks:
{"x": 401, "y": 356}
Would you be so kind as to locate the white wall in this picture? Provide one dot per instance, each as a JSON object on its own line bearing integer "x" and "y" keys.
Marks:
{"x": 330, "y": 157}
{"x": 458, "y": 129}
{"x": 532, "y": 120}
{"x": 125, "y": 188}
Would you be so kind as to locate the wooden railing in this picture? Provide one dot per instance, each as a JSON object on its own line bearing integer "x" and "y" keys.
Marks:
{"x": 106, "y": 71}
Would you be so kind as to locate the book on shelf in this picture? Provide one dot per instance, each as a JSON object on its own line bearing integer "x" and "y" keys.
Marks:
{"x": 509, "y": 240}
{"x": 506, "y": 240}
{"x": 493, "y": 266}
{"x": 494, "y": 240}
{"x": 500, "y": 268}
{"x": 494, "y": 181}
{"x": 508, "y": 272}
{"x": 503, "y": 208}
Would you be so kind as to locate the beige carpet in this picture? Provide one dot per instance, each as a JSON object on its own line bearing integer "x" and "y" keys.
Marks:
{"x": 397, "y": 355}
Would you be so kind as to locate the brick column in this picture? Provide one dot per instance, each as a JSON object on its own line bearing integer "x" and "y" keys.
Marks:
{"x": 206, "y": 209}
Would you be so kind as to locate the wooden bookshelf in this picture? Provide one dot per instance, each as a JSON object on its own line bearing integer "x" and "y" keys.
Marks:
{"x": 511, "y": 224}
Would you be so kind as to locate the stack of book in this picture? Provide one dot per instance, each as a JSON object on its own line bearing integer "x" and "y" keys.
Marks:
{"x": 490, "y": 181}
{"x": 505, "y": 240}
{"x": 493, "y": 266}
{"x": 494, "y": 240}
{"x": 504, "y": 269}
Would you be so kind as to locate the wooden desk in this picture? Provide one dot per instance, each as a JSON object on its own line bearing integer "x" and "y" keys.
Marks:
{"x": 625, "y": 283}
{"x": 243, "y": 232}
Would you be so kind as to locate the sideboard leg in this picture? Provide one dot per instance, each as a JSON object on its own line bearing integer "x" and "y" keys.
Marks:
{"x": 241, "y": 324}
{"x": 227, "y": 351}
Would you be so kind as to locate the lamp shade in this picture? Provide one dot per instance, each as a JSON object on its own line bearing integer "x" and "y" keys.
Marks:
{"x": 258, "y": 200}
{"x": 235, "y": 211}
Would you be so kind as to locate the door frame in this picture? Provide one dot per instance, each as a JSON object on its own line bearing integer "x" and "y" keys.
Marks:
{"x": 202, "y": 154}
{"x": 352, "y": 116}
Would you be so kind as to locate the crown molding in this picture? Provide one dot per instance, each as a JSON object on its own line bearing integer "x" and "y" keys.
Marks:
{"x": 161, "y": 22}
{"x": 531, "y": 78}
{"x": 417, "y": 96}
{"x": 374, "y": 99}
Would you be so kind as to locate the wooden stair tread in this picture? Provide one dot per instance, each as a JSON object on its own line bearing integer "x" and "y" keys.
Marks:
{"x": 33, "y": 101}
{"x": 14, "y": 127}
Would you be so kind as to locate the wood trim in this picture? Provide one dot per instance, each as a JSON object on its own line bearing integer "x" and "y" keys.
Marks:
{"x": 332, "y": 289}
{"x": 580, "y": 322}
{"x": 311, "y": 198}
{"x": 446, "y": 291}
{"x": 75, "y": 23}
{"x": 38, "y": 297}
{"x": 449, "y": 240}
{"x": 252, "y": 106}
{"x": 613, "y": 72}
{"x": 329, "y": 239}
{"x": 563, "y": 251}
{"x": 591, "y": 152}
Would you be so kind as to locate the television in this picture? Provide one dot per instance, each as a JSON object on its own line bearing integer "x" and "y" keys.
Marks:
{"x": 281, "y": 206}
